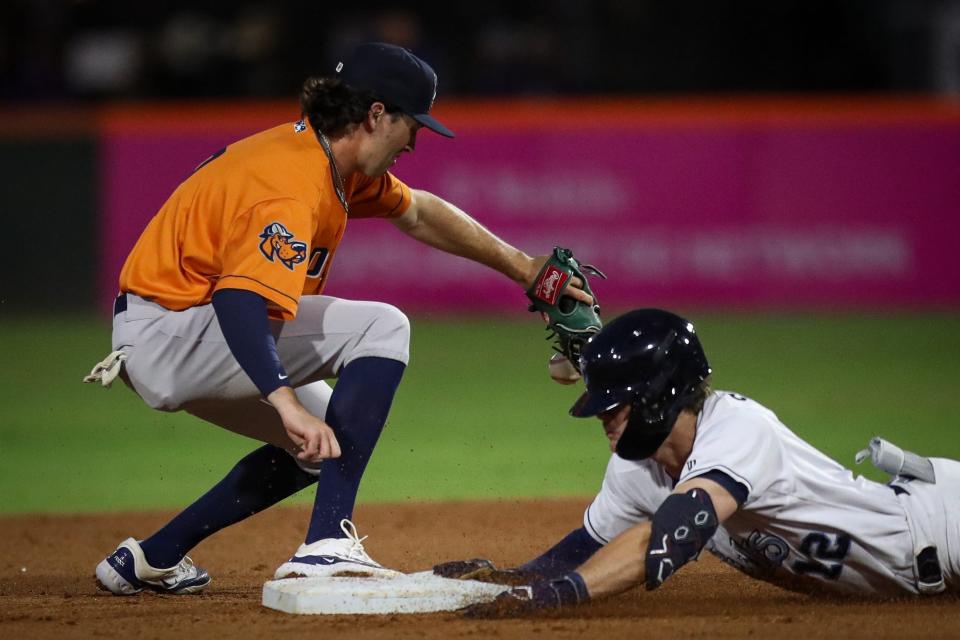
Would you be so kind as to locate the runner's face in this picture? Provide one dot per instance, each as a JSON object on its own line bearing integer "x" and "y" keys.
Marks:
{"x": 614, "y": 422}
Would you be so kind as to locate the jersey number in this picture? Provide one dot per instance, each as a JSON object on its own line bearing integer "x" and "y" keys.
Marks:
{"x": 821, "y": 546}
{"x": 318, "y": 258}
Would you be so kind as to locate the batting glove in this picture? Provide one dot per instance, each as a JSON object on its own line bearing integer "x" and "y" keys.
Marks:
{"x": 543, "y": 595}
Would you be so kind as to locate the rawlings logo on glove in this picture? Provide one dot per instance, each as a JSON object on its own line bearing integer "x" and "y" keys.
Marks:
{"x": 569, "y": 321}
{"x": 549, "y": 284}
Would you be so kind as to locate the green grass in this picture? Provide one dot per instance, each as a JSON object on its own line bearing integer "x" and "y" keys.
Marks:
{"x": 476, "y": 415}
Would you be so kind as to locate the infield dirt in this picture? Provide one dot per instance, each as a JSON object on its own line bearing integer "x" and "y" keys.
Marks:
{"x": 48, "y": 589}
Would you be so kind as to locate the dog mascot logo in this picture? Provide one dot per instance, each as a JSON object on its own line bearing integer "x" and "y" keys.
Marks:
{"x": 277, "y": 243}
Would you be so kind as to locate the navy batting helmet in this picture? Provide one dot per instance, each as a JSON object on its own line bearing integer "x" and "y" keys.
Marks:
{"x": 651, "y": 359}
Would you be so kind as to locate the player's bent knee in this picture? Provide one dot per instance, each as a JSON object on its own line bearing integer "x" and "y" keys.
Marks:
{"x": 680, "y": 528}
{"x": 394, "y": 322}
{"x": 387, "y": 335}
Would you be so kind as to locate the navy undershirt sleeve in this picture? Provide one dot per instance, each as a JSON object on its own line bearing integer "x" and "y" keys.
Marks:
{"x": 246, "y": 328}
{"x": 736, "y": 489}
{"x": 565, "y": 556}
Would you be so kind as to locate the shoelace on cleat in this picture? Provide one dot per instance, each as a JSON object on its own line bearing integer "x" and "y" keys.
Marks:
{"x": 185, "y": 569}
{"x": 356, "y": 549}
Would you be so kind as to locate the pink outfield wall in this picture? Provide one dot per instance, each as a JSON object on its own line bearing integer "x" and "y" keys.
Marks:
{"x": 800, "y": 211}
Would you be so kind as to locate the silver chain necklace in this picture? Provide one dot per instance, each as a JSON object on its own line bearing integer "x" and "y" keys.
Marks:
{"x": 335, "y": 171}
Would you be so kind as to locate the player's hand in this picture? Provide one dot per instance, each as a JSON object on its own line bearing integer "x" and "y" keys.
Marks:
{"x": 458, "y": 569}
{"x": 312, "y": 436}
{"x": 482, "y": 570}
{"x": 574, "y": 288}
{"x": 537, "y": 595}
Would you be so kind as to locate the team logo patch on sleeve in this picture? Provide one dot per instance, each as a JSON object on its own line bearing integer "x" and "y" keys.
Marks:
{"x": 277, "y": 244}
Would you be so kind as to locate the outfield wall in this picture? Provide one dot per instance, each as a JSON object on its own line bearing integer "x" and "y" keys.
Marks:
{"x": 786, "y": 203}
{"x": 48, "y": 208}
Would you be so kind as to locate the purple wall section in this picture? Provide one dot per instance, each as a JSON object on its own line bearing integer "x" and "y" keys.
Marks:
{"x": 761, "y": 215}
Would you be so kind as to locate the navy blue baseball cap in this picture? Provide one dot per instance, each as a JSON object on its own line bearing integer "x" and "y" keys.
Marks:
{"x": 397, "y": 77}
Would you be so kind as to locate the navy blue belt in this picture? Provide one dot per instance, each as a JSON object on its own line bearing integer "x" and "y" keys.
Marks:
{"x": 120, "y": 304}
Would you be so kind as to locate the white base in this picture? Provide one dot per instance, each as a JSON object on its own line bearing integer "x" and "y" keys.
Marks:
{"x": 421, "y": 592}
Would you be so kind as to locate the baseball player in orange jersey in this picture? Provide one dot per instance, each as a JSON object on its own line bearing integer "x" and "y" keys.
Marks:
{"x": 220, "y": 312}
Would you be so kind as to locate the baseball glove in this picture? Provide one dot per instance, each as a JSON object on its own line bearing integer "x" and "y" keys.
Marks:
{"x": 569, "y": 321}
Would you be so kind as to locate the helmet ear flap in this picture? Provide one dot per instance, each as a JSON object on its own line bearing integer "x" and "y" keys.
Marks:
{"x": 655, "y": 393}
{"x": 642, "y": 436}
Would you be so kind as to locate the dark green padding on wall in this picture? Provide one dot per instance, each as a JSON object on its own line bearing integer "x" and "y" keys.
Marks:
{"x": 48, "y": 199}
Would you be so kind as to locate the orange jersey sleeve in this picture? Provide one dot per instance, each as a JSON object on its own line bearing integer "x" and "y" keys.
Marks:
{"x": 383, "y": 197}
{"x": 264, "y": 251}
{"x": 261, "y": 214}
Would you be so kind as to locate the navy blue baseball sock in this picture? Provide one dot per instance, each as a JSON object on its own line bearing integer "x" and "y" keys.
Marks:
{"x": 357, "y": 412}
{"x": 261, "y": 479}
{"x": 563, "y": 557}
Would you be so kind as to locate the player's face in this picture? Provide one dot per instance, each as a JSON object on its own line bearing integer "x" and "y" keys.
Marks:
{"x": 614, "y": 422}
{"x": 392, "y": 135}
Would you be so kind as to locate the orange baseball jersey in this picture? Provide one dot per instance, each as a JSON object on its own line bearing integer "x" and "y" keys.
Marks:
{"x": 261, "y": 215}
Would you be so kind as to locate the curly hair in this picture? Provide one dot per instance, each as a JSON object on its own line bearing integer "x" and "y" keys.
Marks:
{"x": 331, "y": 106}
{"x": 698, "y": 397}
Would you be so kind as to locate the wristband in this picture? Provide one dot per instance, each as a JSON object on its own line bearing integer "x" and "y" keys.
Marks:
{"x": 566, "y": 591}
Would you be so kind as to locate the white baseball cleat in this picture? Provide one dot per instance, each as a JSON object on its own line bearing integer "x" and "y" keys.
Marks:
{"x": 126, "y": 572}
{"x": 333, "y": 557}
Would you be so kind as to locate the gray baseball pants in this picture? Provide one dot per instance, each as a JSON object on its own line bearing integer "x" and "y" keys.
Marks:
{"x": 180, "y": 360}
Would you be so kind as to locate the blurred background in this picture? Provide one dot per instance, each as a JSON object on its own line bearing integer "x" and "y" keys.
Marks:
{"x": 786, "y": 174}
{"x": 53, "y": 50}
{"x": 762, "y": 152}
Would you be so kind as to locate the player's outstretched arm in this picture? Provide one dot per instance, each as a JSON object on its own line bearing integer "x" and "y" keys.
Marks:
{"x": 441, "y": 225}
{"x": 647, "y": 553}
{"x": 561, "y": 558}
{"x": 618, "y": 567}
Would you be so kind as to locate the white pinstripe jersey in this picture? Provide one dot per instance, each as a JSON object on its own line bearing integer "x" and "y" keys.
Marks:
{"x": 807, "y": 523}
